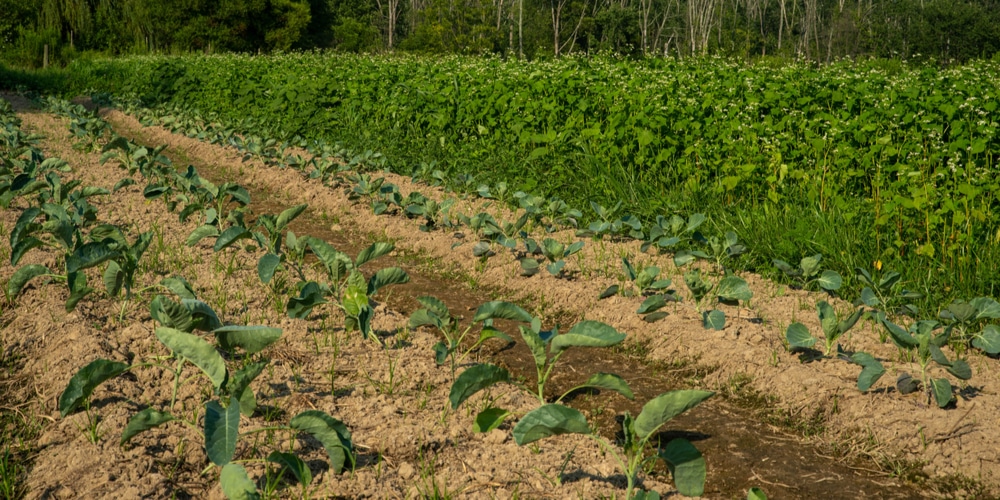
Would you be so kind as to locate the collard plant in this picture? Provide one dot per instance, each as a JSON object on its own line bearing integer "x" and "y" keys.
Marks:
{"x": 729, "y": 290}
{"x": 673, "y": 232}
{"x": 435, "y": 313}
{"x": 230, "y": 387}
{"x": 609, "y": 223}
{"x": 645, "y": 283}
{"x": 273, "y": 236}
{"x": 966, "y": 323}
{"x": 924, "y": 345}
{"x": 547, "y": 347}
{"x": 685, "y": 462}
{"x": 809, "y": 273}
{"x": 347, "y": 288}
{"x": 801, "y": 340}
{"x": 555, "y": 252}
{"x": 885, "y": 295}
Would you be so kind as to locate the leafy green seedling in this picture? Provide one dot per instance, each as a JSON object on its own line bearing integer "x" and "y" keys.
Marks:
{"x": 964, "y": 318}
{"x": 435, "y": 313}
{"x": 808, "y": 272}
{"x": 800, "y": 340}
{"x": 351, "y": 292}
{"x": 885, "y": 295}
{"x": 546, "y": 348}
{"x": 921, "y": 340}
{"x": 555, "y": 252}
{"x": 645, "y": 283}
{"x": 685, "y": 462}
{"x": 668, "y": 233}
{"x": 729, "y": 290}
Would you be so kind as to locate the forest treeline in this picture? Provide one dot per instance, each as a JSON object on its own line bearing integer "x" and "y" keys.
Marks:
{"x": 820, "y": 30}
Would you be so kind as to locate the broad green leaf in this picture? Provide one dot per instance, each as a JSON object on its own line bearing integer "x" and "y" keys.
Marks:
{"x": 373, "y": 252}
{"x": 942, "y": 391}
{"x": 221, "y": 430}
{"x": 309, "y": 297}
{"x": 197, "y": 351}
{"x": 143, "y": 421}
{"x": 798, "y": 337}
{"x": 652, "y": 303}
{"x": 354, "y": 300}
{"x": 331, "y": 433}
{"x": 714, "y": 319}
{"x": 336, "y": 262}
{"x": 556, "y": 267}
{"x": 289, "y": 214}
{"x": 654, "y": 317}
{"x": 235, "y": 483}
{"x": 78, "y": 289}
{"x": 899, "y": 336}
{"x": 988, "y": 340}
{"x": 114, "y": 277}
{"x": 535, "y": 343}
{"x": 827, "y": 319}
{"x": 200, "y": 232}
{"x": 230, "y": 236}
{"x": 664, "y": 407}
{"x": 960, "y": 369}
{"x": 83, "y": 383}
{"x": 385, "y": 277}
{"x": 608, "y": 292}
{"x": 266, "y": 267}
{"x": 501, "y": 310}
{"x": 238, "y": 386}
{"x": 422, "y": 317}
{"x": 986, "y": 308}
{"x": 871, "y": 370}
{"x": 179, "y": 286}
{"x": 587, "y": 334}
{"x": 22, "y": 247}
{"x": 251, "y": 339}
{"x": 202, "y": 315}
{"x": 830, "y": 280}
{"x": 549, "y": 420}
{"x": 441, "y": 352}
{"x": 87, "y": 256}
{"x": 475, "y": 379}
{"x": 489, "y": 419}
{"x": 756, "y": 493}
{"x": 492, "y": 333}
{"x": 810, "y": 265}
{"x": 687, "y": 465}
{"x": 869, "y": 298}
{"x": 290, "y": 462}
{"x": 434, "y": 305}
{"x": 611, "y": 382}
{"x": 734, "y": 288}
{"x": 22, "y": 276}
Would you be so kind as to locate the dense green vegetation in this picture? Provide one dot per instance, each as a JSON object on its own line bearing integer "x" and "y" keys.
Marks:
{"x": 871, "y": 164}
{"x": 820, "y": 30}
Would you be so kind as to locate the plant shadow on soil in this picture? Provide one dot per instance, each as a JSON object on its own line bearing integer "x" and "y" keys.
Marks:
{"x": 744, "y": 439}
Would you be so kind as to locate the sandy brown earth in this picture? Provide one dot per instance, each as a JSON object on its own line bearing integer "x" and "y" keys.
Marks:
{"x": 407, "y": 443}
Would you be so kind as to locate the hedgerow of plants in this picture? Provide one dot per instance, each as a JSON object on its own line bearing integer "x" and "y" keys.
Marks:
{"x": 885, "y": 165}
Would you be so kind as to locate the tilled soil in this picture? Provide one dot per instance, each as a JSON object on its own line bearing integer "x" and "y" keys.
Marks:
{"x": 393, "y": 398}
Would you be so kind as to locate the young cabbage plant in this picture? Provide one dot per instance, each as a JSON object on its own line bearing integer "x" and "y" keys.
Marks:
{"x": 800, "y": 340}
{"x": 645, "y": 283}
{"x": 222, "y": 223}
{"x": 965, "y": 318}
{"x": 885, "y": 295}
{"x": 808, "y": 272}
{"x": 608, "y": 223}
{"x": 721, "y": 250}
{"x": 729, "y": 290}
{"x": 435, "y": 313}
{"x": 435, "y": 214}
{"x": 668, "y": 233}
{"x": 555, "y": 252}
{"x": 221, "y": 421}
{"x": 546, "y": 348}
{"x": 350, "y": 291}
{"x": 275, "y": 232}
{"x": 685, "y": 462}
{"x": 925, "y": 346}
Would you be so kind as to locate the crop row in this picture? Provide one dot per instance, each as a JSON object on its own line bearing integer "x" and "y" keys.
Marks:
{"x": 960, "y": 324}
{"x": 904, "y": 155}
{"x": 231, "y": 356}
